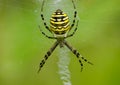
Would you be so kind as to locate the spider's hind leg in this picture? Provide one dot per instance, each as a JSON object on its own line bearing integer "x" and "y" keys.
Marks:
{"x": 42, "y": 17}
{"x": 70, "y": 35}
{"x": 46, "y": 34}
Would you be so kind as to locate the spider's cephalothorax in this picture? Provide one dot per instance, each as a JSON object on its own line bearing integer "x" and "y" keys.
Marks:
{"x": 60, "y": 27}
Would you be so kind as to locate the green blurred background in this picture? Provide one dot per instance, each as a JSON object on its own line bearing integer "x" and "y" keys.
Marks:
{"x": 22, "y": 46}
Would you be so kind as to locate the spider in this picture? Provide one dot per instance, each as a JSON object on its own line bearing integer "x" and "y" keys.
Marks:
{"x": 60, "y": 27}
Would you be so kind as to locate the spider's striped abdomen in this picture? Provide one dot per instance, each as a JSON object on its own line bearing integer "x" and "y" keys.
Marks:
{"x": 59, "y": 22}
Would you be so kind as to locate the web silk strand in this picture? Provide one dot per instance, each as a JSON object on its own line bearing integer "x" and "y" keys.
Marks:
{"x": 63, "y": 64}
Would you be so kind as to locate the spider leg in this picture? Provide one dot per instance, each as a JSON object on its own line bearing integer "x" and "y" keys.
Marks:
{"x": 75, "y": 14}
{"x": 70, "y": 35}
{"x": 47, "y": 55}
{"x": 78, "y": 55}
{"x": 46, "y": 34}
{"x": 43, "y": 19}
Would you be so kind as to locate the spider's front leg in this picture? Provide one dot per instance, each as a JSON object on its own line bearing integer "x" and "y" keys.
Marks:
{"x": 47, "y": 55}
{"x": 78, "y": 55}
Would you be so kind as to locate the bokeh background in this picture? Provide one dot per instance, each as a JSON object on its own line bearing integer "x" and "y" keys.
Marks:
{"x": 22, "y": 46}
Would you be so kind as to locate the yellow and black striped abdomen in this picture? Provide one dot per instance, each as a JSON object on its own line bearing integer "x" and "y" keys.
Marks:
{"x": 59, "y": 22}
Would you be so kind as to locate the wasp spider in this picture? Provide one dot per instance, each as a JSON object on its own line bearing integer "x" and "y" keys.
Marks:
{"x": 60, "y": 27}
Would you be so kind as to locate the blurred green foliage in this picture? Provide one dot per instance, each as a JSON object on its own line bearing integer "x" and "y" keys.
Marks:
{"x": 22, "y": 46}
